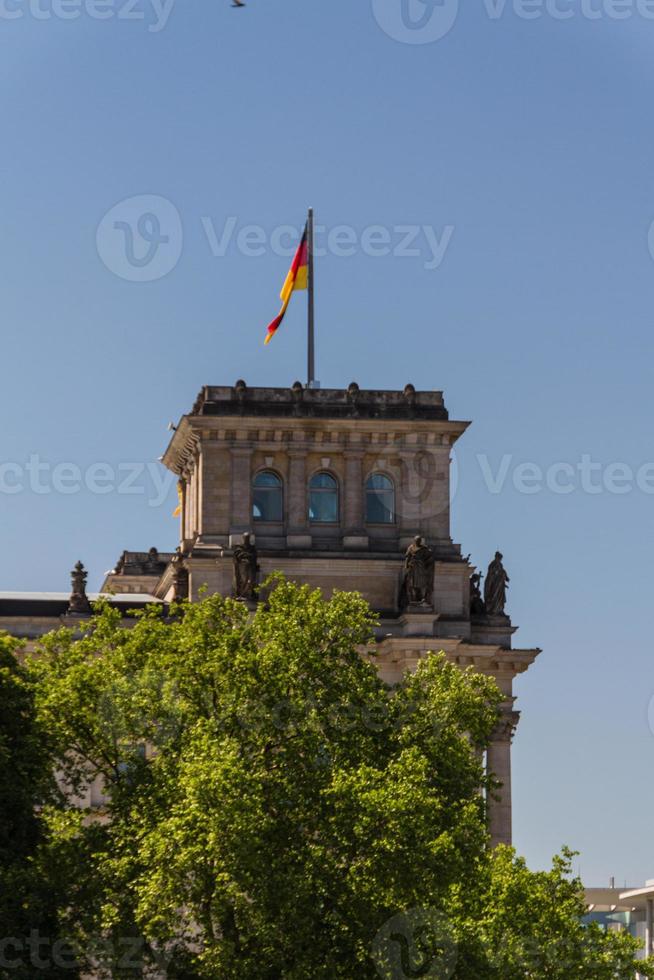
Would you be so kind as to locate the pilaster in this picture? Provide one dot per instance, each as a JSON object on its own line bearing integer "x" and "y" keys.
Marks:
{"x": 498, "y": 764}
{"x": 407, "y": 498}
{"x": 298, "y": 535}
{"x": 354, "y": 534}
{"x": 241, "y": 491}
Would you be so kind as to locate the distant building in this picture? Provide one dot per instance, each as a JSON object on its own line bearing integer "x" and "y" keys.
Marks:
{"x": 630, "y": 909}
{"x": 334, "y": 488}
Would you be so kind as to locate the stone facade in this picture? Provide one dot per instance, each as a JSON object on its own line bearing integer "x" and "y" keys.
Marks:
{"x": 332, "y": 486}
{"x": 235, "y": 435}
{"x": 137, "y": 572}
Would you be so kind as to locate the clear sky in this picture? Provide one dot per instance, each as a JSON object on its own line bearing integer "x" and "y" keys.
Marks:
{"x": 521, "y": 140}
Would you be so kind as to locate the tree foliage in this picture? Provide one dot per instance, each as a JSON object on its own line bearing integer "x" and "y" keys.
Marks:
{"x": 31, "y": 887}
{"x": 293, "y": 816}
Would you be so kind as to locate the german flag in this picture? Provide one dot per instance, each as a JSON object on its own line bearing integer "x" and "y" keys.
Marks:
{"x": 180, "y": 499}
{"x": 297, "y": 278}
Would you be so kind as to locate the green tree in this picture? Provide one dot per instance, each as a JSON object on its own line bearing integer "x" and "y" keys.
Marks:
{"x": 31, "y": 888}
{"x": 519, "y": 924}
{"x": 294, "y": 817}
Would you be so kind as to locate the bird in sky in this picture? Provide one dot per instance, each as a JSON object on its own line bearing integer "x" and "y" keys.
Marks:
{"x": 238, "y": 3}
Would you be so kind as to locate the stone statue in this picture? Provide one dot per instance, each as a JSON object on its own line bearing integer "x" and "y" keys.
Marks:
{"x": 418, "y": 573}
{"x": 245, "y": 569}
{"x": 477, "y": 607}
{"x": 180, "y": 577}
{"x": 241, "y": 391}
{"x": 152, "y": 563}
{"x": 297, "y": 394}
{"x": 78, "y": 604}
{"x": 495, "y": 588}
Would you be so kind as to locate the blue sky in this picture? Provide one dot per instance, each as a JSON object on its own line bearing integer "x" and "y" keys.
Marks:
{"x": 523, "y": 146}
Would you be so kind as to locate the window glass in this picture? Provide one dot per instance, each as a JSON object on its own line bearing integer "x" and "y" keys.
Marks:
{"x": 380, "y": 500}
{"x": 323, "y": 499}
{"x": 267, "y": 501}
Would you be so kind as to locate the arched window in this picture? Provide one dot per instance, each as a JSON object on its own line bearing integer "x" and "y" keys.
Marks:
{"x": 267, "y": 499}
{"x": 380, "y": 499}
{"x": 323, "y": 499}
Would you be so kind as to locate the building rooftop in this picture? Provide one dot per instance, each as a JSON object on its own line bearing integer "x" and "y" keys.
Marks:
{"x": 57, "y": 603}
{"x": 332, "y": 403}
{"x": 150, "y": 562}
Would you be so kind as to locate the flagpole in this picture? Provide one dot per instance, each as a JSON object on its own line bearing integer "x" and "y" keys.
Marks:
{"x": 311, "y": 364}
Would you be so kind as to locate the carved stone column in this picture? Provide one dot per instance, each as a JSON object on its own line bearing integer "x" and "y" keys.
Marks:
{"x": 298, "y": 532}
{"x": 498, "y": 764}
{"x": 354, "y": 534}
{"x": 241, "y": 504}
{"x": 191, "y": 520}
{"x": 188, "y": 527}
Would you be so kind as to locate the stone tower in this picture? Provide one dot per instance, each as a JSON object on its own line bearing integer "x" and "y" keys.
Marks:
{"x": 332, "y": 486}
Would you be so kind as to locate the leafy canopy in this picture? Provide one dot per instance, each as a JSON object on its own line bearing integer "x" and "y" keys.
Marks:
{"x": 31, "y": 887}
{"x": 293, "y": 816}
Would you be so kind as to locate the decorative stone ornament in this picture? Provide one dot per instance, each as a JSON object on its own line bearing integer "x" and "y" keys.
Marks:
{"x": 477, "y": 607}
{"x": 79, "y": 604}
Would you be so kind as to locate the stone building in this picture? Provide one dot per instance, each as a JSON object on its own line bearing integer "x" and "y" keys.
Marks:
{"x": 333, "y": 487}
